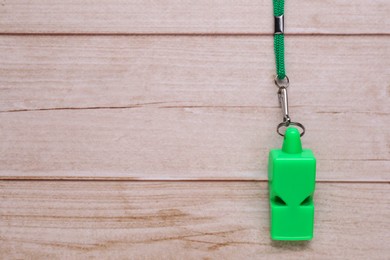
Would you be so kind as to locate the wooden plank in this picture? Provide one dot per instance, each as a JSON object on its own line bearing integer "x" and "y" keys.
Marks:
{"x": 192, "y": 220}
{"x": 181, "y": 144}
{"x": 185, "y": 108}
{"x": 202, "y": 16}
{"x": 42, "y": 72}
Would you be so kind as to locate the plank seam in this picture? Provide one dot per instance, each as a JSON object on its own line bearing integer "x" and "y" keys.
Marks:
{"x": 191, "y": 34}
{"x": 177, "y": 181}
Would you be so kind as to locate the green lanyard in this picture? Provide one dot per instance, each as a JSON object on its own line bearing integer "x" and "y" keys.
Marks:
{"x": 279, "y": 40}
{"x": 291, "y": 169}
{"x": 281, "y": 79}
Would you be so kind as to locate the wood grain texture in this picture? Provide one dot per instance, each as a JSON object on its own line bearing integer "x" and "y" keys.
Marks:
{"x": 182, "y": 90}
{"x": 202, "y": 16}
{"x": 169, "y": 220}
{"x": 185, "y": 108}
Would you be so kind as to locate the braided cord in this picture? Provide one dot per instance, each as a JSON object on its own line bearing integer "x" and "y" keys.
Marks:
{"x": 279, "y": 42}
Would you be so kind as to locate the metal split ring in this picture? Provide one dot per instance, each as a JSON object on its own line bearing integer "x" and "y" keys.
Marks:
{"x": 287, "y": 124}
{"x": 282, "y": 83}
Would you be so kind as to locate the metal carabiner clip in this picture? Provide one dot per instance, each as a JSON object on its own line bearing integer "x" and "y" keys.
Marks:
{"x": 283, "y": 102}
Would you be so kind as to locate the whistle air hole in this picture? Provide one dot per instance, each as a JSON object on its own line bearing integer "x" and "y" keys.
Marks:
{"x": 278, "y": 201}
{"x": 307, "y": 201}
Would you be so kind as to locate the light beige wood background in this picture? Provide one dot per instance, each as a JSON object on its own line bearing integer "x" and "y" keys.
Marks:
{"x": 140, "y": 129}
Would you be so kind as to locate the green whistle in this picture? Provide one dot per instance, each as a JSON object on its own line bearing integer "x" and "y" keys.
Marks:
{"x": 291, "y": 175}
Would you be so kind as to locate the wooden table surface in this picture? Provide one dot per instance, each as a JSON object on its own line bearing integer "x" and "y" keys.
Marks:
{"x": 141, "y": 129}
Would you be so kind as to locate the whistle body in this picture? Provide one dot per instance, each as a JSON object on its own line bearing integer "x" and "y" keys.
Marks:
{"x": 291, "y": 174}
